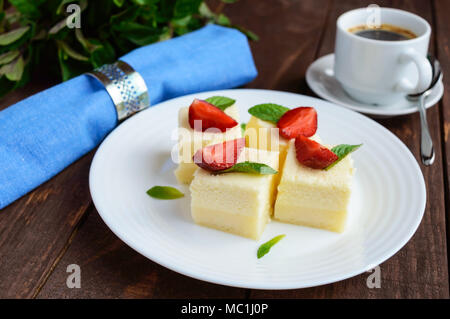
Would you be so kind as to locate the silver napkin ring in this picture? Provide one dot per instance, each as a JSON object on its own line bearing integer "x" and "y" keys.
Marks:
{"x": 125, "y": 86}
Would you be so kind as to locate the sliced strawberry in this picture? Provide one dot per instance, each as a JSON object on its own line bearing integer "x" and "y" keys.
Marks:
{"x": 210, "y": 117}
{"x": 298, "y": 121}
{"x": 312, "y": 154}
{"x": 220, "y": 156}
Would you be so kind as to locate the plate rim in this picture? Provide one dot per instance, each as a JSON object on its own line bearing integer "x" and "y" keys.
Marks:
{"x": 369, "y": 110}
{"x": 238, "y": 284}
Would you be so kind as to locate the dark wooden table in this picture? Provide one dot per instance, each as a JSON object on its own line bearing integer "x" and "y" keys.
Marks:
{"x": 57, "y": 225}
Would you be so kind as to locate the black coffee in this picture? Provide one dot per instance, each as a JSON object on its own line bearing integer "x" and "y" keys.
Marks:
{"x": 385, "y": 32}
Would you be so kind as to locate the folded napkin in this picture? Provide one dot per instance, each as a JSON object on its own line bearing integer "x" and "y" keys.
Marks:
{"x": 46, "y": 132}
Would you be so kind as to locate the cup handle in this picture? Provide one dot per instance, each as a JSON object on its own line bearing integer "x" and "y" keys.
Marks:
{"x": 425, "y": 73}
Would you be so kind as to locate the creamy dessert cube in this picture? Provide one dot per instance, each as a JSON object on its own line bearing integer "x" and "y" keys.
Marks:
{"x": 190, "y": 141}
{"x": 264, "y": 135}
{"x": 238, "y": 203}
{"x": 314, "y": 197}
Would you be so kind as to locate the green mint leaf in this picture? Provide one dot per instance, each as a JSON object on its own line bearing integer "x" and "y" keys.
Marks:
{"x": 250, "y": 168}
{"x": 222, "y": 102}
{"x": 164, "y": 192}
{"x": 243, "y": 127}
{"x": 268, "y": 112}
{"x": 342, "y": 151}
{"x": 11, "y": 36}
{"x": 265, "y": 248}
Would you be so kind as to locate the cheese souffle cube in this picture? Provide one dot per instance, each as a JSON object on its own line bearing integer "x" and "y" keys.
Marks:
{"x": 190, "y": 140}
{"x": 235, "y": 202}
{"x": 271, "y": 126}
{"x": 264, "y": 135}
{"x": 314, "y": 197}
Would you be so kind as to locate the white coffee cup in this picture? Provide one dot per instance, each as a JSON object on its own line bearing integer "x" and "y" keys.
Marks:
{"x": 377, "y": 71}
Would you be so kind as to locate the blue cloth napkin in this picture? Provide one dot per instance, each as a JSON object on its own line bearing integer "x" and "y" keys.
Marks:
{"x": 46, "y": 132}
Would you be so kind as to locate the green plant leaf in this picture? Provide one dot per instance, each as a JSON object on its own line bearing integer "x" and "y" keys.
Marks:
{"x": 250, "y": 168}
{"x": 223, "y": 20}
{"x": 12, "y": 17}
{"x": 342, "y": 151}
{"x": 128, "y": 15}
{"x": 71, "y": 52}
{"x": 268, "y": 112}
{"x": 119, "y": 3}
{"x": 12, "y": 36}
{"x": 164, "y": 192}
{"x": 185, "y": 7}
{"x": 29, "y": 8}
{"x": 145, "y": 2}
{"x": 8, "y": 56}
{"x": 61, "y": 6}
{"x": 58, "y": 26}
{"x": 205, "y": 11}
{"x": 251, "y": 35}
{"x": 137, "y": 33}
{"x": 104, "y": 54}
{"x": 87, "y": 45}
{"x": 222, "y": 102}
{"x": 13, "y": 71}
{"x": 70, "y": 67}
{"x": 265, "y": 248}
{"x": 39, "y": 36}
{"x": 111, "y": 28}
{"x": 183, "y": 22}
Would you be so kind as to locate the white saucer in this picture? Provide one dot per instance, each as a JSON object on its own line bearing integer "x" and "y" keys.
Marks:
{"x": 320, "y": 78}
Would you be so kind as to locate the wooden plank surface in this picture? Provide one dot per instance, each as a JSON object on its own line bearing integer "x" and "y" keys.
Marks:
{"x": 56, "y": 225}
{"x": 442, "y": 8}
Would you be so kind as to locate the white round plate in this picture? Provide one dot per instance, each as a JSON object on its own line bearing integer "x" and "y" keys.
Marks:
{"x": 320, "y": 78}
{"x": 386, "y": 208}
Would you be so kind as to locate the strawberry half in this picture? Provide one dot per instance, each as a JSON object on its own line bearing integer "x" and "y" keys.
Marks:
{"x": 312, "y": 154}
{"x": 210, "y": 116}
{"x": 298, "y": 121}
{"x": 220, "y": 156}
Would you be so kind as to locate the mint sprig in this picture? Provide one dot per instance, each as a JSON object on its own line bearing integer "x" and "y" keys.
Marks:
{"x": 222, "y": 102}
{"x": 250, "y": 168}
{"x": 268, "y": 112}
{"x": 164, "y": 192}
{"x": 342, "y": 151}
{"x": 265, "y": 248}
